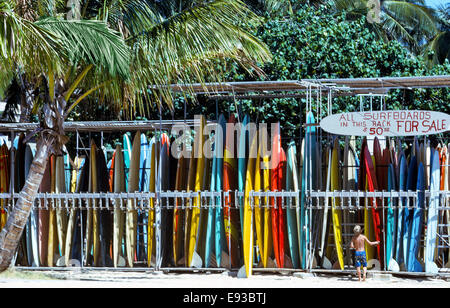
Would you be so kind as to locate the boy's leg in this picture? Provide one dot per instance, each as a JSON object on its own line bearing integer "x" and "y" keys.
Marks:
{"x": 364, "y": 273}
{"x": 358, "y": 270}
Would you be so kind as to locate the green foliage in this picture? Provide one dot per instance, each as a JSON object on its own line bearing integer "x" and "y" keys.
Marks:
{"x": 315, "y": 43}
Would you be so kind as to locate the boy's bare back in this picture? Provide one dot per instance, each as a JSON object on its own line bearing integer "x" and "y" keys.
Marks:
{"x": 358, "y": 242}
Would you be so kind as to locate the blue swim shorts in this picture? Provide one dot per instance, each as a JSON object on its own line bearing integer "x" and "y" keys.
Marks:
{"x": 360, "y": 259}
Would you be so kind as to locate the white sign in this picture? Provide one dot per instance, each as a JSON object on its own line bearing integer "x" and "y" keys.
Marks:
{"x": 387, "y": 123}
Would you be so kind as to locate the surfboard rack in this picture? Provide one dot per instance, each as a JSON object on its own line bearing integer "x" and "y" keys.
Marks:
{"x": 315, "y": 201}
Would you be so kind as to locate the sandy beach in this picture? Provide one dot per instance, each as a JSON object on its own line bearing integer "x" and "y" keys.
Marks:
{"x": 104, "y": 279}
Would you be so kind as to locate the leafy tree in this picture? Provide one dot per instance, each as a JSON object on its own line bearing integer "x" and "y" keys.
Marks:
{"x": 317, "y": 43}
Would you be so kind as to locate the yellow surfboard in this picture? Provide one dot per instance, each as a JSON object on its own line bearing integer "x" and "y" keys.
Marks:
{"x": 151, "y": 212}
{"x": 258, "y": 206}
{"x": 336, "y": 213}
{"x": 195, "y": 218}
{"x": 133, "y": 186}
{"x": 268, "y": 241}
{"x": 188, "y": 214}
{"x": 248, "y": 212}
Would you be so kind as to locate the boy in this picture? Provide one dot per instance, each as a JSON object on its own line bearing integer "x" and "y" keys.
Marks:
{"x": 357, "y": 243}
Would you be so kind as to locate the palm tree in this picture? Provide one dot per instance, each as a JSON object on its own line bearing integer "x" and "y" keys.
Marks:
{"x": 440, "y": 44}
{"x": 409, "y": 21}
{"x": 141, "y": 45}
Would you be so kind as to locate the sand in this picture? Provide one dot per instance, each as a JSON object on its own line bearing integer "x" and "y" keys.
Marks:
{"x": 105, "y": 279}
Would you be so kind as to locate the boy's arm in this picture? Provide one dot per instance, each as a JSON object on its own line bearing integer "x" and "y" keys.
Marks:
{"x": 371, "y": 243}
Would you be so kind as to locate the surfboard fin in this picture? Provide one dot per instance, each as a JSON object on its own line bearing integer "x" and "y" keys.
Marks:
{"x": 196, "y": 261}
{"x": 242, "y": 273}
{"x": 393, "y": 266}
{"x": 61, "y": 261}
{"x": 73, "y": 263}
{"x": 225, "y": 260}
{"x": 416, "y": 266}
{"x": 326, "y": 264}
{"x": 121, "y": 262}
{"x": 314, "y": 263}
{"x": 374, "y": 264}
{"x": 431, "y": 268}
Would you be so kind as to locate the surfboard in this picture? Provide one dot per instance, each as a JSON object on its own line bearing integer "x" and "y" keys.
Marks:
{"x": 144, "y": 174}
{"x": 413, "y": 263}
{"x": 61, "y": 212}
{"x": 392, "y": 203}
{"x": 133, "y": 186}
{"x": 178, "y": 215}
{"x": 194, "y": 258}
{"x": 243, "y": 148}
{"x": 151, "y": 250}
{"x": 411, "y": 184}
{"x": 247, "y": 236}
{"x": 268, "y": 241}
{"x": 163, "y": 214}
{"x": 335, "y": 203}
{"x": 292, "y": 204}
{"x": 189, "y": 203}
{"x": 220, "y": 250}
{"x": 324, "y": 259}
{"x": 258, "y": 207}
{"x": 78, "y": 163}
{"x": 118, "y": 220}
{"x": 209, "y": 241}
{"x": 278, "y": 161}
{"x": 230, "y": 213}
{"x": 309, "y": 179}
{"x": 104, "y": 215}
{"x": 402, "y": 187}
{"x": 52, "y": 231}
{"x": 126, "y": 157}
{"x": 433, "y": 214}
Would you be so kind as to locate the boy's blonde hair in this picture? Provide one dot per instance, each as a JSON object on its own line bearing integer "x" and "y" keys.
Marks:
{"x": 357, "y": 229}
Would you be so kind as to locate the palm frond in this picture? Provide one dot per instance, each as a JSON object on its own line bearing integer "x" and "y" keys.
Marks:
{"x": 414, "y": 17}
{"x": 91, "y": 42}
{"x": 179, "y": 49}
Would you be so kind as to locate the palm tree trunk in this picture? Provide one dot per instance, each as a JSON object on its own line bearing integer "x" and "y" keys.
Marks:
{"x": 11, "y": 233}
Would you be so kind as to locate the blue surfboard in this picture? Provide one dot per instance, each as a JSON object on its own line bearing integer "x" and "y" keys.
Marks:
{"x": 308, "y": 182}
{"x": 390, "y": 221}
{"x": 416, "y": 225}
{"x": 411, "y": 184}
{"x": 402, "y": 187}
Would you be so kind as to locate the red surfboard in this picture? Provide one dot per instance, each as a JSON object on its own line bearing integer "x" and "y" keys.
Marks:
{"x": 230, "y": 213}
{"x": 278, "y": 221}
{"x": 372, "y": 184}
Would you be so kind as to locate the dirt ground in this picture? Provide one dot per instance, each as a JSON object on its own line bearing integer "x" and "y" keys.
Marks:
{"x": 106, "y": 279}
